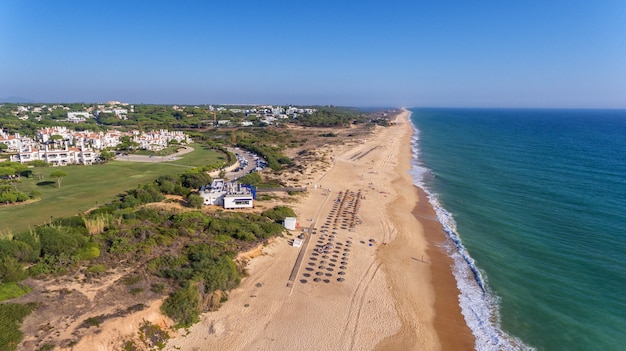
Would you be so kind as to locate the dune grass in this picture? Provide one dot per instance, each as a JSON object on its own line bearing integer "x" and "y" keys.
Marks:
{"x": 12, "y": 290}
{"x": 86, "y": 187}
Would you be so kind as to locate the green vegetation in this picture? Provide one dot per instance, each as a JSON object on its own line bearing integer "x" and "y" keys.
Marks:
{"x": 151, "y": 117}
{"x": 332, "y": 117}
{"x": 253, "y": 178}
{"x": 11, "y": 174}
{"x": 58, "y": 175}
{"x": 11, "y": 316}
{"x": 267, "y": 143}
{"x": 12, "y": 290}
{"x": 86, "y": 187}
{"x": 279, "y": 213}
{"x": 184, "y": 254}
{"x": 183, "y": 306}
{"x": 97, "y": 268}
{"x": 93, "y": 322}
{"x": 195, "y": 201}
{"x": 198, "y": 268}
{"x": 152, "y": 336}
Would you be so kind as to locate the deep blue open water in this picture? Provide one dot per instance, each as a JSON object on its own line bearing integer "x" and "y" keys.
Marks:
{"x": 534, "y": 202}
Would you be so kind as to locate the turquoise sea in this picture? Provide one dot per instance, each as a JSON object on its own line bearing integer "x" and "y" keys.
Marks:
{"x": 534, "y": 204}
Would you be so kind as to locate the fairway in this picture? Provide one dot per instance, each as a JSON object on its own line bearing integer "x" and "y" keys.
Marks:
{"x": 86, "y": 187}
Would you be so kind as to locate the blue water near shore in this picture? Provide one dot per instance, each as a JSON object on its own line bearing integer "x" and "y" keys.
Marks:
{"x": 534, "y": 202}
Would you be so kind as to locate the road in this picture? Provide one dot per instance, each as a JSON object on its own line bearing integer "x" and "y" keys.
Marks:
{"x": 246, "y": 155}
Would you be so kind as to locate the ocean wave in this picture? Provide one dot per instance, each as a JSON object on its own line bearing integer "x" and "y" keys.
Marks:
{"x": 479, "y": 305}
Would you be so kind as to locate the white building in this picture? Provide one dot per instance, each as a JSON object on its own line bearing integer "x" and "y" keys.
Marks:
{"x": 241, "y": 199}
{"x": 57, "y": 156}
{"x": 228, "y": 195}
{"x": 78, "y": 117}
{"x": 213, "y": 194}
{"x": 290, "y": 223}
{"x": 15, "y": 142}
{"x": 297, "y": 242}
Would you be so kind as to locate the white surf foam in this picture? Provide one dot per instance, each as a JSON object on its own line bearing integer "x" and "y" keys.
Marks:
{"x": 480, "y": 307}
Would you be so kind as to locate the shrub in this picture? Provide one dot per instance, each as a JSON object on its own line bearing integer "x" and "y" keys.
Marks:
{"x": 131, "y": 280}
{"x": 253, "y": 178}
{"x": 93, "y": 322}
{"x": 11, "y": 270}
{"x": 158, "y": 287}
{"x": 97, "y": 268}
{"x": 11, "y": 316}
{"x": 183, "y": 306}
{"x": 153, "y": 336}
{"x": 15, "y": 248}
{"x": 195, "y": 201}
{"x": 59, "y": 240}
{"x": 279, "y": 213}
{"x": 135, "y": 291}
{"x": 89, "y": 252}
{"x": 32, "y": 239}
{"x": 12, "y": 290}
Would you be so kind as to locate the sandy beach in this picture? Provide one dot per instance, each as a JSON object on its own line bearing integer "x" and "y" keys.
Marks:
{"x": 368, "y": 275}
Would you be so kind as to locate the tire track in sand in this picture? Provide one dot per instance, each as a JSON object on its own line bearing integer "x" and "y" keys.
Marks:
{"x": 356, "y": 303}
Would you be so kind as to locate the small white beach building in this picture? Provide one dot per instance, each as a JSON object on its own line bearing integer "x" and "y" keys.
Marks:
{"x": 290, "y": 223}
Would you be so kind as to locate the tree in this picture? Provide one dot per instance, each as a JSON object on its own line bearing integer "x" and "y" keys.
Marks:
{"x": 58, "y": 175}
{"x": 127, "y": 144}
{"x": 106, "y": 155}
{"x": 3, "y": 147}
{"x": 38, "y": 164}
{"x": 195, "y": 179}
{"x": 195, "y": 200}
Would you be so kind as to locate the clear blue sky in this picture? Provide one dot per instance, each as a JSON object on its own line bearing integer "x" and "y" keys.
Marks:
{"x": 491, "y": 53}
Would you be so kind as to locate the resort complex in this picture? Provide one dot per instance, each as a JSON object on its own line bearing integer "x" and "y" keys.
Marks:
{"x": 60, "y": 146}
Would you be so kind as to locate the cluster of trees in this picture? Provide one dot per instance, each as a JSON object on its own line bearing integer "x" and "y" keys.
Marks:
{"x": 332, "y": 117}
{"x": 47, "y": 118}
{"x": 47, "y": 249}
{"x": 10, "y": 174}
{"x": 9, "y": 195}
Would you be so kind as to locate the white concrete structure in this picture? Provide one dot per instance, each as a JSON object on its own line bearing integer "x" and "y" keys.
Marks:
{"x": 241, "y": 200}
{"x": 78, "y": 117}
{"x": 57, "y": 156}
{"x": 228, "y": 195}
{"x": 290, "y": 223}
{"x": 214, "y": 193}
